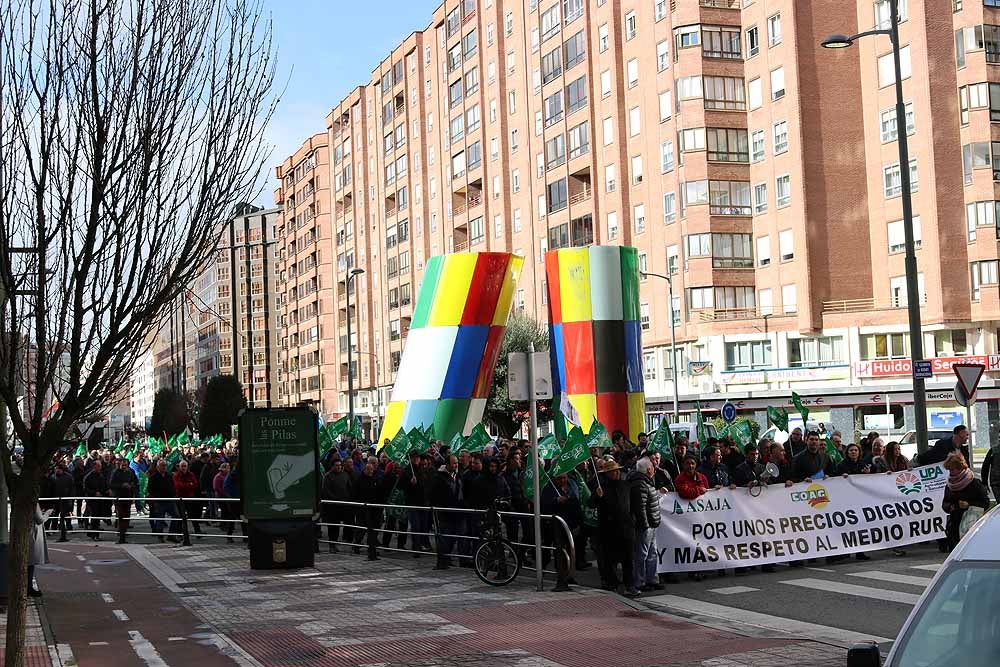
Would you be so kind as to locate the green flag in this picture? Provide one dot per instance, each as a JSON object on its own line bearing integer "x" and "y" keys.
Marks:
{"x": 663, "y": 441}
{"x": 702, "y": 432}
{"x": 326, "y": 441}
{"x": 155, "y": 445}
{"x": 81, "y": 449}
{"x": 418, "y": 440}
{"x": 573, "y": 453}
{"x": 356, "y": 428}
{"x": 173, "y": 458}
{"x": 398, "y": 449}
{"x": 598, "y": 436}
{"x": 478, "y": 439}
{"x": 529, "y": 476}
{"x": 120, "y": 445}
{"x": 802, "y": 410}
{"x": 457, "y": 442}
{"x": 183, "y": 439}
{"x": 338, "y": 427}
{"x": 143, "y": 484}
{"x": 548, "y": 446}
{"x": 128, "y": 454}
{"x": 429, "y": 433}
{"x": 778, "y": 417}
{"x": 589, "y": 513}
{"x": 741, "y": 433}
{"x": 832, "y": 451}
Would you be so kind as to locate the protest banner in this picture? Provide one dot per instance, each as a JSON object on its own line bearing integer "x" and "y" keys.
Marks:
{"x": 831, "y": 517}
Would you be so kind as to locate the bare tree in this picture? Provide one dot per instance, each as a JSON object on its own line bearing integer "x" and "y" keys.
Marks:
{"x": 128, "y": 130}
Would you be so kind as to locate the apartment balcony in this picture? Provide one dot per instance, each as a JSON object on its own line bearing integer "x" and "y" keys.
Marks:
{"x": 581, "y": 196}
{"x": 729, "y": 314}
{"x": 715, "y": 4}
{"x": 866, "y": 305}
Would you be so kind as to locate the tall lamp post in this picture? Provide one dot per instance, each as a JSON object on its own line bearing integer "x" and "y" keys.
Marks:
{"x": 350, "y": 374}
{"x": 912, "y": 285}
{"x": 673, "y": 336}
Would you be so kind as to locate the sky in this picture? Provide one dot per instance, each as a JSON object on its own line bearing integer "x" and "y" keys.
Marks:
{"x": 325, "y": 49}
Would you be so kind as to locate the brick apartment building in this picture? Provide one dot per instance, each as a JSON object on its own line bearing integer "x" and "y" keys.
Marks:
{"x": 754, "y": 168}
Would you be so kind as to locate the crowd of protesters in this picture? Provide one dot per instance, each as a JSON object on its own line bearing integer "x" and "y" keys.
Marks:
{"x": 610, "y": 502}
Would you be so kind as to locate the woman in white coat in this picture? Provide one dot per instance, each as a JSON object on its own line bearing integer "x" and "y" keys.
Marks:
{"x": 38, "y": 554}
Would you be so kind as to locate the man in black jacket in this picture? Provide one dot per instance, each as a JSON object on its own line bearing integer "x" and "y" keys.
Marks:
{"x": 613, "y": 500}
{"x": 447, "y": 491}
{"x": 750, "y": 470}
{"x": 64, "y": 486}
{"x": 814, "y": 459}
{"x": 161, "y": 485}
{"x": 124, "y": 487}
{"x": 945, "y": 446}
{"x": 338, "y": 485}
{"x": 414, "y": 481}
{"x": 368, "y": 488}
{"x": 95, "y": 487}
{"x": 645, "y": 508}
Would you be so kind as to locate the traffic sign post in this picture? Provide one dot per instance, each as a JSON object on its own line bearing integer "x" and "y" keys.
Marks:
{"x": 728, "y": 412}
{"x": 969, "y": 376}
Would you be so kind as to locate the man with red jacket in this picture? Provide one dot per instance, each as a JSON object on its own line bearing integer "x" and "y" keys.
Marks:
{"x": 186, "y": 485}
{"x": 690, "y": 483}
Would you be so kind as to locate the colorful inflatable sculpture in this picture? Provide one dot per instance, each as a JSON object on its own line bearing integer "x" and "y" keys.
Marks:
{"x": 594, "y": 335}
{"x": 451, "y": 350}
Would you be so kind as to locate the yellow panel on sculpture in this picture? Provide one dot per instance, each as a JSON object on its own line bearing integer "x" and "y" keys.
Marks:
{"x": 393, "y": 417}
{"x": 574, "y": 285}
{"x": 456, "y": 277}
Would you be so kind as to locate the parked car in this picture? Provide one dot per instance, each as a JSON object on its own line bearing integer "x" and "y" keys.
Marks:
{"x": 908, "y": 443}
{"x": 955, "y": 620}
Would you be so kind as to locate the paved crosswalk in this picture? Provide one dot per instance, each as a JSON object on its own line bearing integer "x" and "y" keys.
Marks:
{"x": 842, "y": 603}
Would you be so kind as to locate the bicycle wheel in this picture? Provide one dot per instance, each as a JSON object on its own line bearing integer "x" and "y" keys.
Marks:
{"x": 496, "y": 563}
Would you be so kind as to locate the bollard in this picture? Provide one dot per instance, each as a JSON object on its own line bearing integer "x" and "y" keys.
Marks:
{"x": 62, "y": 522}
{"x": 185, "y": 529}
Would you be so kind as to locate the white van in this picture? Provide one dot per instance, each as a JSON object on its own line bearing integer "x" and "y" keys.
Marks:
{"x": 690, "y": 429}
{"x": 955, "y": 621}
{"x": 777, "y": 435}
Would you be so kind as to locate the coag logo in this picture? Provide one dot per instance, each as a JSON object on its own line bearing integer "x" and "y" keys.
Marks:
{"x": 815, "y": 495}
{"x": 908, "y": 483}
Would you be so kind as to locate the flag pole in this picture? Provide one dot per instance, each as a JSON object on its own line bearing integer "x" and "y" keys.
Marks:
{"x": 533, "y": 436}
{"x": 597, "y": 473}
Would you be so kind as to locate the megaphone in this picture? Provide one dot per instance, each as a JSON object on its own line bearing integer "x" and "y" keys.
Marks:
{"x": 771, "y": 470}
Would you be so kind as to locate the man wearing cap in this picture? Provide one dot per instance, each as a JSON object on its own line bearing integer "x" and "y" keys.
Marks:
{"x": 616, "y": 528}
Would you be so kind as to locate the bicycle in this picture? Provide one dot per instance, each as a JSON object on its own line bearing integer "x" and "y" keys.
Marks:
{"x": 496, "y": 561}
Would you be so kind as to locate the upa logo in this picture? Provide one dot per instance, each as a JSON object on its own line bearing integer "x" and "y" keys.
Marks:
{"x": 908, "y": 483}
{"x": 815, "y": 494}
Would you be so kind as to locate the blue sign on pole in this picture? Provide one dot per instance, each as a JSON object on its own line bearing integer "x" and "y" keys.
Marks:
{"x": 946, "y": 420}
{"x": 922, "y": 370}
{"x": 728, "y": 412}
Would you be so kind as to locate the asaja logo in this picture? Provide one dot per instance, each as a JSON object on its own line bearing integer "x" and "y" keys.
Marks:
{"x": 815, "y": 495}
{"x": 908, "y": 483}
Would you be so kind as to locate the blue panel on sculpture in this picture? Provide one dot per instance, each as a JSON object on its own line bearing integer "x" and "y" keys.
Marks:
{"x": 633, "y": 356}
{"x": 466, "y": 356}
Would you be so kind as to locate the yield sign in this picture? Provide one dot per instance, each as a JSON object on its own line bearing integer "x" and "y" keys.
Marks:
{"x": 969, "y": 376}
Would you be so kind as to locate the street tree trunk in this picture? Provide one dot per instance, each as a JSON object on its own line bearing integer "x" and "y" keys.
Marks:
{"x": 25, "y": 499}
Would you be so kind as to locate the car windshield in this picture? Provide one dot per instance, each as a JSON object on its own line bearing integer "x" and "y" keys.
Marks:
{"x": 932, "y": 437}
{"x": 959, "y": 623}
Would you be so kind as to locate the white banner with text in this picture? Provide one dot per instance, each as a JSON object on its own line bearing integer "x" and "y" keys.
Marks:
{"x": 776, "y": 524}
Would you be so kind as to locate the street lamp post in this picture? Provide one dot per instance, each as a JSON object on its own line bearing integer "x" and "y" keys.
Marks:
{"x": 673, "y": 336}
{"x": 912, "y": 283}
{"x": 350, "y": 375}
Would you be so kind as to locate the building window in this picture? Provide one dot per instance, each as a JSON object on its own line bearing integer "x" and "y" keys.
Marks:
{"x": 783, "y": 191}
{"x": 579, "y": 139}
{"x": 602, "y": 37}
{"x": 729, "y": 197}
{"x": 981, "y": 214}
{"x": 897, "y": 237}
{"x": 774, "y": 29}
{"x": 757, "y": 146}
{"x": 748, "y": 354}
{"x": 698, "y": 245}
{"x": 893, "y": 182}
{"x": 687, "y": 36}
{"x": 606, "y": 83}
{"x": 723, "y": 92}
{"x": 721, "y": 42}
{"x": 630, "y": 26}
{"x": 765, "y": 302}
{"x": 699, "y": 298}
{"x": 636, "y": 169}
{"x": 786, "y": 245}
{"x": 610, "y": 174}
{"x": 983, "y": 273}
{"x": 634, "y": 121}
{"x": 666, "y": 156}
{"x": 763, "y": 251}
{"x": 728, "y": 144}
{"x": 672, "y": 263}
{"x": 477, "y": 231}
{"x": 649, "y": 366}
{"x": 819, "y": 351}
{"x": 644, "y": 316}
{"x": 575, "y": 50}
{"x": 753, "y": 42}
{"x": 887, "y": 68}
{"x": 692, "y": 139}
{"x": 884, "y": 346}
{"x": 951, "y": 343}
{"x": 788, "y": 304}
{"x": 662, "y": 55}
{"x": 777, "y": 83}
{"x": 780, "y": 137}
{"x": 732, "y": 251}
{"x": 555, "y": 151}
{"x": 760, "y": 198}
{"x": 576, "y": 94}
{"x": 666, "y": 105}
{"x": 632, "y": 73}
{"x": 639, "y": 218}
{"x": 556, "y": 195}
{"x": 669, "y": 207}
{"x": 612, "y": 225}
{"x": 755, "y": 94}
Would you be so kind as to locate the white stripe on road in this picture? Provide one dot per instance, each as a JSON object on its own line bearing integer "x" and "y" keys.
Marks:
{"x": 98, "y": 643}
{"x": 176, "y": 639}
{"x": 81, "y": 558}
{"x": 933, "y": 567}
{"x": 828, "y": 586}
{"x": 120, "y": 615}
{"x": 766, "y": 621}
{"x": 168, "y": 577}
{"x": 907, "y": 579}
{"x": 65, "y": 654}
{"x": 733, "y": 590}
{"x": 88, "y": 569}
{"x": 145, "y": 650}
{"x": 107, "y": 598}
{"x": 818, "y": 569}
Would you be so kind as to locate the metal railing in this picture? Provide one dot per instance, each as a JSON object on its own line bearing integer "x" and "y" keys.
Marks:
{"x": 557, "y": 538}
{"x": 867, "y": 304}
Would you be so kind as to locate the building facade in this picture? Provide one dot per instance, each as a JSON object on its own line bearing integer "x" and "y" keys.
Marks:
{"x": 753, "y": 168}
{"x": 141, "y": 391}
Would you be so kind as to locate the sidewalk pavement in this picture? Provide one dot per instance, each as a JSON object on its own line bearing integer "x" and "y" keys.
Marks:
{"x": 161, "y": 605}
